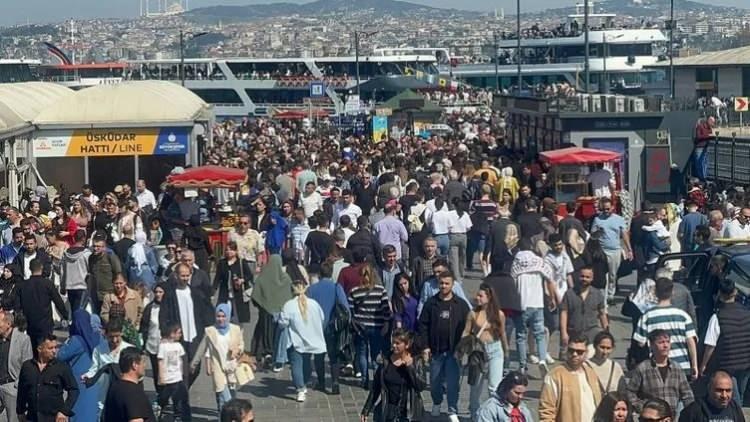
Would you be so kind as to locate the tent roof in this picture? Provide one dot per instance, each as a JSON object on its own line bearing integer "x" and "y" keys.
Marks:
{"x": 208, "y": 177}
{"x": 131, "y": 103}
{"x": 578, "y": 155}
{"x": 21, "y": 103}
{"x": 408, "y": 94}
{"x": 394, "y": 83}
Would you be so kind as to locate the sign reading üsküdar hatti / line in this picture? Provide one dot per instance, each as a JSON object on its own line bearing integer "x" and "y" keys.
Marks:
{"x": 111, "y": 142}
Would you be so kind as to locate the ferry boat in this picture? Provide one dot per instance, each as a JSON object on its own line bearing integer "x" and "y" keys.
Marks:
{"x": 617, "y": 57}
{"x": 83, "y": 75}
{"x": 12, "y": 70}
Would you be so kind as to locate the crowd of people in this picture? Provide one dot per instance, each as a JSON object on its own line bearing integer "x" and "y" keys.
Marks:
{"x": 350, "y": 257}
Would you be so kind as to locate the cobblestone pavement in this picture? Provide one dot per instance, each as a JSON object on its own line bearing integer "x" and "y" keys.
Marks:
{"x": 273, "y": 395}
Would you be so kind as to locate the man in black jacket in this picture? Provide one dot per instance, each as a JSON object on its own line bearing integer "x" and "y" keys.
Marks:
{"x": 363, "y": 239}
{"x": 35, "y": 299}
{"x": 29, "y": 252}
{"x": 717, "y": 405}
{"x": 41, "y": 384}
{"x": 441, "y": 325}
{"x": 180, "y": 295}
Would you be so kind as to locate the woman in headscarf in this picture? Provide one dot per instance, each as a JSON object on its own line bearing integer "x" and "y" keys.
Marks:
{"x": 77, "y": 352}
{"x": 141, "y": 262}
{"x": 225, "y": 346}
{"x": 272, "y": 289}
{"x": 233, "y": 277}
{"x": 9, "y": 285}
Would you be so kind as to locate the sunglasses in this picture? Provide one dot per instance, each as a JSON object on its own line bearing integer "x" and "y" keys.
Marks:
{"x": 577, "y": 352}
{"x": 644, "y": 419}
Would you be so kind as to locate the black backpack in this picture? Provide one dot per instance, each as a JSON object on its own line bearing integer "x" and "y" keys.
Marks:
{"x": 338, "y": 331}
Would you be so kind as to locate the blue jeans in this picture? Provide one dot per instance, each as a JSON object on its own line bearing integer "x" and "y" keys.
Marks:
{"x": 700, "y": 162}
{"x": 444, "y": 368}
{"x": 443, "y": 244}
{"x": 491, "y": 379}
{"x": 533, "y": 317}
{"x": 476, "y": 244}
{"x": 224, "y": 396}
{"x": 370, "y": 339}
{"x": 301, "y": 369}
{"x": 739, "y": 385}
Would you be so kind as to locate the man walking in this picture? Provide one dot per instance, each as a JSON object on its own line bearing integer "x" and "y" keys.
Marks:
{"x": 41, "y": 385}
{"x": 36, "y": 297}
{"x": 614, "y": 239}
{"x": 126, "y": 400}
{"x": 582, "y": 311}
{"x": 391, "y": 230}
{"x": 75, "y": 268}
{"x": 104, "y": 267}
{"x": 15, "y": 349}
{"x": 570, "y": 392}
{"x": 717, "y": 406}
{"x": 441, "y": 325}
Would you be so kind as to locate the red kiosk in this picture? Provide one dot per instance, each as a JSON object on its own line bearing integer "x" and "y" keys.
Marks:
{"x": 570, "y": 177}
{"x": 206, "y": 177}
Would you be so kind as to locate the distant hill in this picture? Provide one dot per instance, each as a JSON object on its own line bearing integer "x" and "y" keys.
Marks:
{"x": 319, "y": 7}
{"x": 646, "y": 8}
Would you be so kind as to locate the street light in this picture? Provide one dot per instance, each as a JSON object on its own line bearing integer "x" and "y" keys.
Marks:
{"x": 518, "y": 46}
{"x": 671, "y": 49}
{"x": 357, "y": 34}
{"x": 586, "y": 67}
{"x": 191, "y": 36}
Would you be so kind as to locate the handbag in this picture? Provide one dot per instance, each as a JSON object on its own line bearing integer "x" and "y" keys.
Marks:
{"x": 247, "y": 294}
{"x": 241, "y": 367}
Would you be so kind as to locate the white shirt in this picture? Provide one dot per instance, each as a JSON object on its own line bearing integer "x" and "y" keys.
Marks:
{"x": 712, "y": 332}
{"x": 171, "y": 352}
{"x": 531, "y": 290}
{"x": 441, "y": 222}
{"x": 352, "y": 210}
{"x": 187, "y": 316}
{"x": 146, "y": 198}
{"x": 154, "y": 333}
{"x": 735, "y": 230}
{"x": 311, "y": 203}
{"x": 600, "y": 182}
{"x": 26, "y": 265}
{"x": 459, "y": 224}
{"x": 562, "y": 266}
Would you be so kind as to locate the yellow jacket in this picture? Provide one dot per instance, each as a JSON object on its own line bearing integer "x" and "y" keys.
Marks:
{"x": 560, "y": 399}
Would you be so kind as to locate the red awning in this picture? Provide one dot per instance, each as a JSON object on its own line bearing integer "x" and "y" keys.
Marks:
{"x": 578, "y": 155}
{"x": 208, "y": 177}
{"x": 300, "y": 114}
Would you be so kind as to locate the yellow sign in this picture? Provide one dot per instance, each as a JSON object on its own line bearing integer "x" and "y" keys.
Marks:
{"x": 111, "y": 142}
{"x": 383, "y": 112}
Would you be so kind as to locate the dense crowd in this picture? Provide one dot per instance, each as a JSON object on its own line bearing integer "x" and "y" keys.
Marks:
{"x": 353, "y": 255}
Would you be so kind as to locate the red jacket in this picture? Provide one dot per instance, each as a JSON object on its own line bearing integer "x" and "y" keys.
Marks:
{"x": 350, "y": 277}
{"x": 703, "y": 133}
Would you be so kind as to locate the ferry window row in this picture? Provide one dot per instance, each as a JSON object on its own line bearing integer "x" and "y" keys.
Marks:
{"x": 193, "y": 71}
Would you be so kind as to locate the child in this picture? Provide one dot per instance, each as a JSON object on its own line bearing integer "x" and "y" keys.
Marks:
{"x": 171, "y": 378}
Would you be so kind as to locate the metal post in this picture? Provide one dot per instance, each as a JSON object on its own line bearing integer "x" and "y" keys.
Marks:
{"x": 182, "y": 58}
{"x": 604, "y": 76}
{"x": 734, "y": 140}
{"x": 494, "y": 55}
{"x": 518, "y": 46}
{"x": 356, "y": 57}
{"x": 671, "y": 49}
{"x": 586, "y": 69}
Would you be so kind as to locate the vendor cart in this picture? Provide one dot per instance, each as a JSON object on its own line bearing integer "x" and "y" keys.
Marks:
{"x": 570, "y": 169}
{"x": 211, "y": 177}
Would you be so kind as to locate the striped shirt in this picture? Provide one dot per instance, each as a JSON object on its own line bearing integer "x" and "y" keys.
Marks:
{"x": 370, "y": 308}
{"x": 676, "y": 322}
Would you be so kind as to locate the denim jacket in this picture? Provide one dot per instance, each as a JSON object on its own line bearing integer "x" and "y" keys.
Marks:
{"x": 496, "y": 410}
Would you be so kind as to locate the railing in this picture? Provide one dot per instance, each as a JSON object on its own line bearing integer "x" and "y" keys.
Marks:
{"x": 729, "y": 160}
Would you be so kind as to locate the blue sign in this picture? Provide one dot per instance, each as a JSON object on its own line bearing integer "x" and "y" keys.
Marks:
{"x": 317, "y": 89}
{"x": 172, "y": 141}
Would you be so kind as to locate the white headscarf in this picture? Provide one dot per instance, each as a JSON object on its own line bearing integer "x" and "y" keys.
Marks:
{"x": 139, "y": 249}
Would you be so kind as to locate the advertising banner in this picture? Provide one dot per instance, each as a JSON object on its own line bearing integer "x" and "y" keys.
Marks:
{"x": 379, "y": 128}
{"x": 111, "y": 142}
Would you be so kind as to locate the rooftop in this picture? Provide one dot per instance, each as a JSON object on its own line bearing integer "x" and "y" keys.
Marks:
{"x": 732, "y": 57}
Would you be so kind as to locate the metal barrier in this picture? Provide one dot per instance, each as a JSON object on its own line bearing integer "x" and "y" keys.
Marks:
{"x": 729, "y": 160}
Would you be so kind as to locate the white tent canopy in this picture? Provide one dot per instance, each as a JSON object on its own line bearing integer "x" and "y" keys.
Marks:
{"x": 127, "y": 104}
{"x": 21, "y": 103}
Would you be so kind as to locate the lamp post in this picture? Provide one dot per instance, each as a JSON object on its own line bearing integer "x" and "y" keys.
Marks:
{"x": 497, "y": 72}
{"x": 586, "y": 67}
{"x": 518, "y": 46}
{"x": 357, "y": 34}
{"x": 191, "y": 36}
{"x": 671, "y": 49}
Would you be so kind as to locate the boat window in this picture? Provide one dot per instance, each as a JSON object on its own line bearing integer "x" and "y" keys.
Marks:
{"x": 278, "y": 96}
{"x": 19, "y": 72}
{"x": 218, "y": 96}
{"x": 262, "y": 70}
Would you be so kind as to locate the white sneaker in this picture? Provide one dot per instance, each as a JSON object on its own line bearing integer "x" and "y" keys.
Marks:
{"x": 301, "y": 395}
{"x": 453, "y": 417}
{"x": 533, "y": 359}
{"x": 543, "y": 369}
{"x": 549, "y": 359}
{"x": 435, "y": 411}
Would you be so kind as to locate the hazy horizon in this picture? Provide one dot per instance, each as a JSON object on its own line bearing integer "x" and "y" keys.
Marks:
{"x": 48, "y": 11}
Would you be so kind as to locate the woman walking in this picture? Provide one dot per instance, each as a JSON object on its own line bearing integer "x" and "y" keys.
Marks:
{"x": 141, "y": 263}
{"x": 396, "y": 386}
{"x": 459, "y": 225}
{"x": 370, "y": 314}
{"x": 405, "y": 303}
{"x": 304, "y": 318}
{"x": 487, "y": 323}
{"x": 234, "y": 276}
{"x": 607, "y": 371}
{"x": 506, "y": 403}
{"x": 151, "y": 333}
{"x": 77, "y": 352}
{"x": 272, "y": 290}
{"x": 225, "y": 346}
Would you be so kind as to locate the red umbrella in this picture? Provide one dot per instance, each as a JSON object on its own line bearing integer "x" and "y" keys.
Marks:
{"x": 208, "y": 177}
{"x": 579, "y": 156}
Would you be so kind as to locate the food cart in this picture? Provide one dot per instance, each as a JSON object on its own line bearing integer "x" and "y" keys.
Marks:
{"x": 212, "y": 177}
{"x": 570, "y": 170}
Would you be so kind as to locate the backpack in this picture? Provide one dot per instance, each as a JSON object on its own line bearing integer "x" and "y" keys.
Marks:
{"x": 416, "y": 218}
{"x": 337, "y": 330}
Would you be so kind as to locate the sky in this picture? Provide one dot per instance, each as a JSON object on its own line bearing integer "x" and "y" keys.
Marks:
{"x": 45, "y": 11}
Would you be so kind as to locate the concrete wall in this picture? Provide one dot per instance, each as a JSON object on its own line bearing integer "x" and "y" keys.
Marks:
{"x": 684, "y": 83}
{"x": 730, "y": 81}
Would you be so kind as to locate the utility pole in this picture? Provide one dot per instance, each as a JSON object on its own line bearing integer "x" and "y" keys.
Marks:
{"x": 494, "y": 55}
{"x": 356, "y": 58}
{"x": 671, "y": 49}
{"x": 182, "y": 58}
{"x": 518, "y": 46}
{"x": 586, "y": 66}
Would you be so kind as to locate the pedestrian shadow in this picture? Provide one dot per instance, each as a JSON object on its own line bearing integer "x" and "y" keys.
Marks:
{"x": 270, "y": 388}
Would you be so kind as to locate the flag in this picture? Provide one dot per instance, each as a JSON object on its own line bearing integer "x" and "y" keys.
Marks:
{"x": 57, "y": 53}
